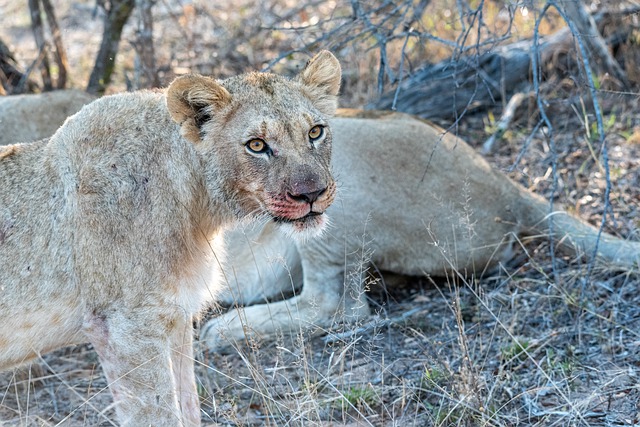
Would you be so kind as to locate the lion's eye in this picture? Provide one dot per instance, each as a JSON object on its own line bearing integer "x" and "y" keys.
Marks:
{"x": 257, "y": 146}
{"x": 316, "y": 132}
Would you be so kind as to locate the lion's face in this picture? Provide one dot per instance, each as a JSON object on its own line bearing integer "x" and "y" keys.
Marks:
{"x": 270, "y": 137}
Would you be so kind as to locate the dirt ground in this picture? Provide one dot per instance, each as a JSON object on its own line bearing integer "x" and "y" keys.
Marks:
{"x": 546, "y": 340}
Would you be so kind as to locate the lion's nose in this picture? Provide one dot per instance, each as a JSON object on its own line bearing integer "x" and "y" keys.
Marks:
{"x": 306, "y": 185}
{"x": 308, "y": 197}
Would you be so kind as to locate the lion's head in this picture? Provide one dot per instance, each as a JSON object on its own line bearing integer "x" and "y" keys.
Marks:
{"x": 271, "y": 137}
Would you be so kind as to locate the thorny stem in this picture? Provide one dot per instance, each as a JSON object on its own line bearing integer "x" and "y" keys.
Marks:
{"x": 601, "y": 134}
{"x": 605, "y": 156}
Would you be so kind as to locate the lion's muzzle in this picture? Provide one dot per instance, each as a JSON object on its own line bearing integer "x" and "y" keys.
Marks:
{"x": 302, "y": 211}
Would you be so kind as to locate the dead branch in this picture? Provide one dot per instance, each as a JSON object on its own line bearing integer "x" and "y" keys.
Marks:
{"x": 41, "y": 43}
{"x": 37, "y": 8}
{"x": 597, "y": 47}
{"x": 10, "y": 74}
{"x": 146, "y": 73}
{"x": 60, "y": 52}
{"x": 508, "y": 114}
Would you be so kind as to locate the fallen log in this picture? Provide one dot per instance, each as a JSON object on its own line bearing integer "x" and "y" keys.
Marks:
{"x": 450, "y": 88}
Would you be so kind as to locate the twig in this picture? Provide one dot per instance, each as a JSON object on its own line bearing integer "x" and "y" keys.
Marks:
{"x": 549, "y": 129}
{"x": 525, "y": 146}
{"x": 505, "y": 121}
{"x": 61, "y": 53}
{"x": 600, "y": 126}
{"x": 373, "y": 324}
{"x": 401, "y": 68}
{"x": 24, "y": 80}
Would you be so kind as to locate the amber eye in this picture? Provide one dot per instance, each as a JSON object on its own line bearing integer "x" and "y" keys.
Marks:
{"x": 257, "y": 146}
{"x": 316, "y": 132}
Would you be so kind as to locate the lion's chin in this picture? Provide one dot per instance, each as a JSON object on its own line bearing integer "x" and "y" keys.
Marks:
{"x": 307, "y": 227}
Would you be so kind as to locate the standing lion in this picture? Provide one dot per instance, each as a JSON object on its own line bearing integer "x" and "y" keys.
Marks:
{"x": 110, "y": 231}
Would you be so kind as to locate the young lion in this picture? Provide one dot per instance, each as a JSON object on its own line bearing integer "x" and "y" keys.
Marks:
{"x": 110, "y": 230}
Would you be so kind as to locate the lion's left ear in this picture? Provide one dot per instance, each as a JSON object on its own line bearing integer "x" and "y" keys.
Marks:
{"x": 321, "y": 81}
{"x": 192, "y": 100}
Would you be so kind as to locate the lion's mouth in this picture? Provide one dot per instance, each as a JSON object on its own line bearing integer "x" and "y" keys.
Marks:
{"x": 311, "y": 214}
{"x": 310, "y": 225}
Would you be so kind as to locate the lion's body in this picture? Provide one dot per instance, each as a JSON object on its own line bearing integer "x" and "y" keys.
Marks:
{"x": 26, "y": 118}
{"x": 412, "y": 200}
{"x": 110, "y": 231}
{"x": 96, "y": 194}
{"x": 85, "y": 255}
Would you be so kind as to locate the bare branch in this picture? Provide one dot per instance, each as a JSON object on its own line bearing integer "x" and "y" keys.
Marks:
{"x": 508, "y": 114}
{"x": 41, "y": 44}
{"x": 61, "y": 53}
{"x": 10, "y": 74}
{"x": 536, "y": 69}
{"x": 146, "y": 74}
{"x": 594, "y": 45}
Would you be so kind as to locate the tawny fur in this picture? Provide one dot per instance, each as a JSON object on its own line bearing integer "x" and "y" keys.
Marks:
{"x": 110, "y": 230}
{"x": 419, "y": 201}
{"x": 26, "y": 118}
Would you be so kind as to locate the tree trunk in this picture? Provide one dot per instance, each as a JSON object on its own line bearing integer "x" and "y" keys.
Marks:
{"x": 146, "y": 75}
{"x": 116, "y": 16}
{"x": 593, "y": 41}
{"x": 41, "y": 44}
{"x": 61, "y": 53}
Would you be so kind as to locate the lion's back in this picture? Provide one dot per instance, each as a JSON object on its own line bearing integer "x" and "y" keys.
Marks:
{"x": 409, "y": 184}
{"x": 26, "y": 118}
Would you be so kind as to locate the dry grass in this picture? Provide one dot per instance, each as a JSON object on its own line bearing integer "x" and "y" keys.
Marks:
{"x": 525, "y": 345}
{"x": 518, "y": 348}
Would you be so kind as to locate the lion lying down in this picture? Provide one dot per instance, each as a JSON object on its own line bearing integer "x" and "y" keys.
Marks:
{"x": 416, "y": 202}
{"x": 25, "y": 118}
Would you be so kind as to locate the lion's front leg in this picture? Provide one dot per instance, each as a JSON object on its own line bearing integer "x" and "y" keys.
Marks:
{"x": 321, "y": 303}
{"x": 138, "y": 352}
{"x": 262, "y": 321}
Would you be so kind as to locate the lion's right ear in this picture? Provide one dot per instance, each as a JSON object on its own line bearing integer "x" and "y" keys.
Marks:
{"x": 192, "y": 100}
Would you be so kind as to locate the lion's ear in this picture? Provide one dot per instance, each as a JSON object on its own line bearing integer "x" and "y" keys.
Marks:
{"x": 192, "y": 100}
{"x": 321, "y": 81}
